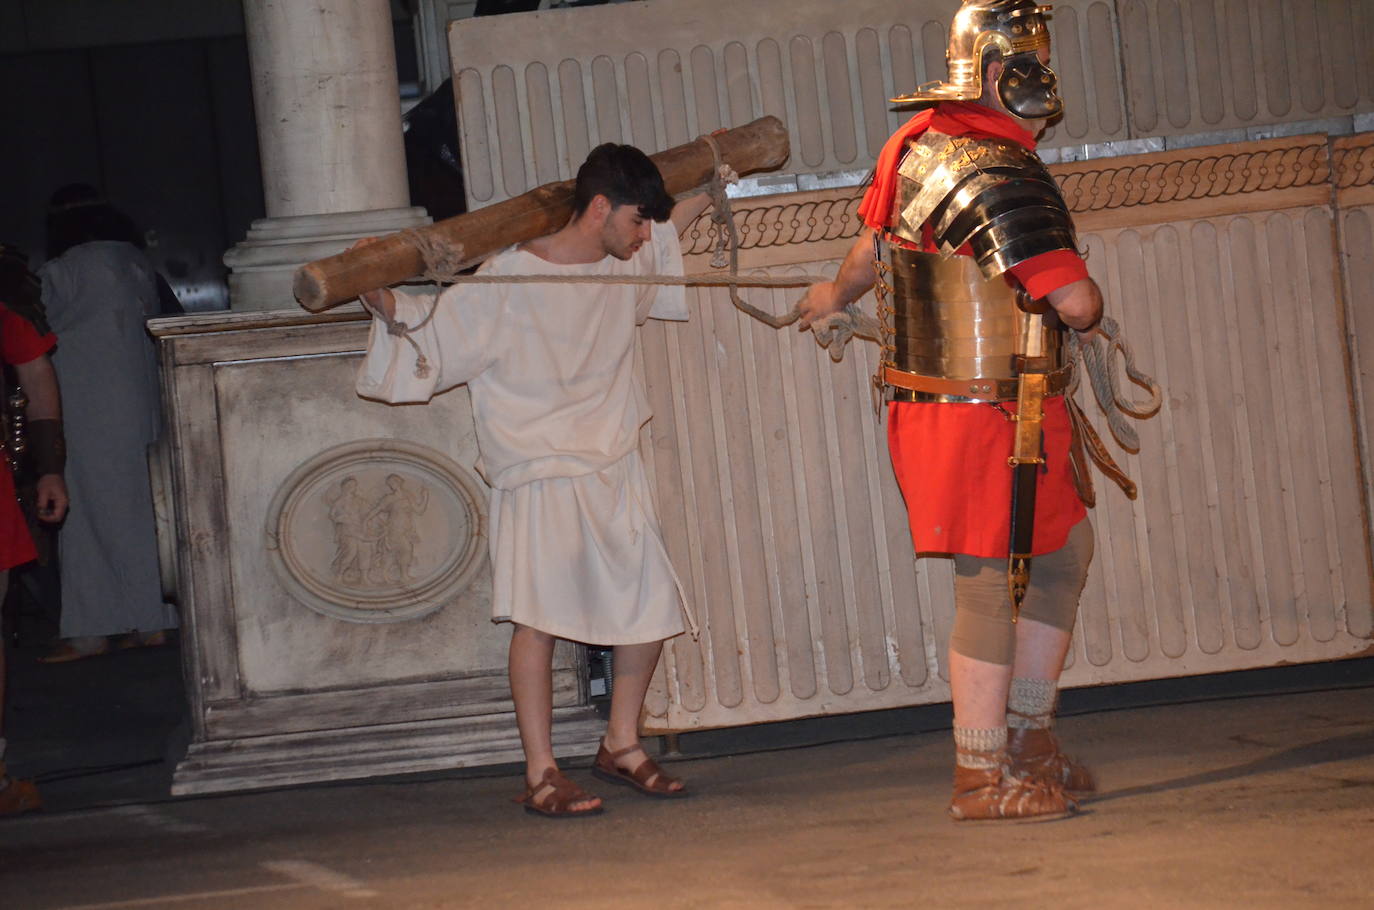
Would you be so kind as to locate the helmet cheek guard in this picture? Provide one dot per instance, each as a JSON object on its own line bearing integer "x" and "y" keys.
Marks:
{"x": 1029, "y": 88}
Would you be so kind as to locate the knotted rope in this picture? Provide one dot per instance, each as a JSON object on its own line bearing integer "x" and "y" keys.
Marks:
{"x": 727, "y": 239}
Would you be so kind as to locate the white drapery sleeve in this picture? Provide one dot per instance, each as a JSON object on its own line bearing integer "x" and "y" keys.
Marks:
{"x": 665, "y": 258}
{"x": 461, "y": 341}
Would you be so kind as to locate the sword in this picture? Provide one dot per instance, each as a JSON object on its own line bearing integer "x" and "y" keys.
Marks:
{"x": 1033, "y": 366}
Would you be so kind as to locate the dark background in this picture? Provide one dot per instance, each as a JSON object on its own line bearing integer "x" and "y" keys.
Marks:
{"x": 151, "y": 101}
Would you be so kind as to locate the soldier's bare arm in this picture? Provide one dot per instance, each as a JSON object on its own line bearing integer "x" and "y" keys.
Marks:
{"x": 854, "y": 279}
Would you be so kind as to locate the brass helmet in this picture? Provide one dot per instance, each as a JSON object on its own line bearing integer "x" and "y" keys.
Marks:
{"x": 1018, "y": 29}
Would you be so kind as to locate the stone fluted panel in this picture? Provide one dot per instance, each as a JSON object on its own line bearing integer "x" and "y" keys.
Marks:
{"x": 661, "y": 73}
{"x": 1246, "y": 548}
{"x": 1203, "y": 65}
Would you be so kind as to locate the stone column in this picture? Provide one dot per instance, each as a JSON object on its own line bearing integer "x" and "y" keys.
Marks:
{"x": 329, "y": 134}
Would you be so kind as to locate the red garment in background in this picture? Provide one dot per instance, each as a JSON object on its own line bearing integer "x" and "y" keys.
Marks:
{"x": 19, "y": 343}
{"x": 951, "y": 459}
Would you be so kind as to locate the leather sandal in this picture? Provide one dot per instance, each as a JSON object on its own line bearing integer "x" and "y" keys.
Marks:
{"x": 1035, "y": 753}
{"x": 647, "y": 777}
{"x": 994, "y": 793}
{"x": 554, "y": 795}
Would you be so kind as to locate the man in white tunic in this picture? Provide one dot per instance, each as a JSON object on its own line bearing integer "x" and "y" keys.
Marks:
{"x": 576, "y": 550}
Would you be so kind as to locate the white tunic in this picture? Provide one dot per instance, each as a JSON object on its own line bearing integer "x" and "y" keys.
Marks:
{"x": 576, "y": 549}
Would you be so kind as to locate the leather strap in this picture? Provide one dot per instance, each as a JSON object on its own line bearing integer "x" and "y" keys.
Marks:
{"x": 971, "y": 389}
{"x": 1085, "y": 438}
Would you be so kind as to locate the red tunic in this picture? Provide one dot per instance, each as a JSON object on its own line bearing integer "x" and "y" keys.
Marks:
{"x": 951, "y": 459}
{"x": 19, "y": 343}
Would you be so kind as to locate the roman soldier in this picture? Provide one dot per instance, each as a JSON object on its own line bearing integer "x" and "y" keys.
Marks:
{"x": 979, "y": 279}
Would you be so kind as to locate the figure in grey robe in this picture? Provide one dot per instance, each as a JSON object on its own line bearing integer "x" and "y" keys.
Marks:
{"x": 98, "y": 295}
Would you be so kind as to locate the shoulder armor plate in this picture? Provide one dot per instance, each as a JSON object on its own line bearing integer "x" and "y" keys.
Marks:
{"x": 989, "y": 193}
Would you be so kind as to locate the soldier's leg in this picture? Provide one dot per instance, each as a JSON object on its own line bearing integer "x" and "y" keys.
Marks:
{"x": 1042, "y": 641}
{"x": 981, "y": 654}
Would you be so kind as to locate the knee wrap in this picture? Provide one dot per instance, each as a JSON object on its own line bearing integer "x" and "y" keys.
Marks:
{"x": 982, "y": 613}
{"x": 983, "y": 629}
{"x": 1057, "y": 580}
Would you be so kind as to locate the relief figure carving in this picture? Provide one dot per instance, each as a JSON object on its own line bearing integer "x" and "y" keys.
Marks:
{"x": 394, "y": 516}
{"x": 374, "y": 542}
{"x": 348, "y": 510}
{"x": 377, "y": 531}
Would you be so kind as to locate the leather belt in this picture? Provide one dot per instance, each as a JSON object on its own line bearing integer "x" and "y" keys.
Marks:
{"x": 934, "y": 388}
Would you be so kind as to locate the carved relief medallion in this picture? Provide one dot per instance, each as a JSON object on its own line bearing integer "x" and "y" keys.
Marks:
{"x": 377, "y": 531}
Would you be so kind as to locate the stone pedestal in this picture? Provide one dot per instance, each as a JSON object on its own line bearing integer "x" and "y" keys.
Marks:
{"x": 330, "y": 563}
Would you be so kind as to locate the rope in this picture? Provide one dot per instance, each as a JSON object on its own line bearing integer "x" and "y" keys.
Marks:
{"x": 696, "y": 280}
{"x": 1096, "y": 354}
{"x": 726, "y": 236}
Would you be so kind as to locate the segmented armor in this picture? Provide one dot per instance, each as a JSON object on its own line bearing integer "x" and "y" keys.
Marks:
{"x": 954, "y": 324}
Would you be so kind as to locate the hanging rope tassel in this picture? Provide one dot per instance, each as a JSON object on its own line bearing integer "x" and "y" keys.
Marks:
{"x": 727, "y": 240}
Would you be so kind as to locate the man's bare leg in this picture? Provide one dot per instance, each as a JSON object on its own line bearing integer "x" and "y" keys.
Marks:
{"x": 1040, "y": 650}
{"x": 979, "y": 690}
{"x": 634, "y": 668}
{"x": 531, "y": 687}
{"x": 1033, "y": 748}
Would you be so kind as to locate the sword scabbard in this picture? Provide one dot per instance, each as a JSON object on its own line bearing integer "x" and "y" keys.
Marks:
{"x": 1026, "y": 458}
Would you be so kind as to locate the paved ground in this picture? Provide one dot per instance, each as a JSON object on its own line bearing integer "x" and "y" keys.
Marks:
{"x": 1263, "y": 801}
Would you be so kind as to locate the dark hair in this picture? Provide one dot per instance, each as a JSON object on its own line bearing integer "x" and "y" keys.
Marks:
{"x": 625, "y": 176}
{"x": 77, "y": 214}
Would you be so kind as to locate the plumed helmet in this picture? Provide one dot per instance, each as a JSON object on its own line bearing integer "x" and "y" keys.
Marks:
{"x": 1016, "y": 28}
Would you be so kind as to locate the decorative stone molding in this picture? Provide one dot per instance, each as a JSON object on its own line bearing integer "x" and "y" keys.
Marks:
{"x": 1132, "y": 189}
{"x": 1203, "y": 173}
{"x": 1352, "y": 161}
{"x": 821, "y": 217}
{"x": 376, "y": 531}
{"x": 536, "y": 93}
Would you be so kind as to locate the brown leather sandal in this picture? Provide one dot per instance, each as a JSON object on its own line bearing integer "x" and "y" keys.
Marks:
{"x": 554, "y": 795}
{"x": 647, "y": 777}
{"x": 1036, "y": 753}
{"x": 980, "y": 795}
